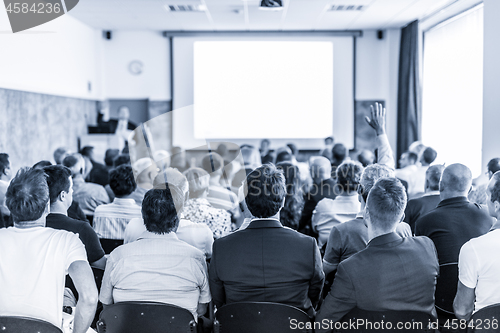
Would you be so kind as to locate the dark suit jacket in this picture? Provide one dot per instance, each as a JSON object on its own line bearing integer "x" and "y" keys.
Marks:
{"x": 392, "y": 273}
{"x": 453, "y": 223}
{"x": 325, "y": 189}
{"x": 419, "y": 207}
{"x": 266, "y": 263}
{"x": 99, "y": 174}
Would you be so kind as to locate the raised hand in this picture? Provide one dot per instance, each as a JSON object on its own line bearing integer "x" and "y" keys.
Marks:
{"x": 377, "y": 122}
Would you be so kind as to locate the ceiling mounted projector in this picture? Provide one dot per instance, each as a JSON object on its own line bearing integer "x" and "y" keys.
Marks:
{"x": 271, "y": 5}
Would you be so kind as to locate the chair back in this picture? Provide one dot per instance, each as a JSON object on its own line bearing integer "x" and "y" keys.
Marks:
{"x": 485, "y": 320}
{"x": 145, "y": 317}
{"x": 446, "y": 287}
{"x": 9, "y": 324}
{"x": 108, "y": 245}
{"x": 386, "y": 321}
{"x": 262, "y": 317}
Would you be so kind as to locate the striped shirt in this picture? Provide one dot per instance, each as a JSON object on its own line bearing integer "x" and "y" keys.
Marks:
{"x": 222, "y": 198}
{"x": 111, "y": 220}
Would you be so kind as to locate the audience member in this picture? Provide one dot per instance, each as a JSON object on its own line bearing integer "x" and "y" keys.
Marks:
{"x": 5, "y": 176}
{"x": 61, "y": 196}
{"x": 99, "y": 173}
{"x": 145, "y": 171}
{"x": 339, "y": 154}
{"x": 162, "y": 159}
{"x": 478, "y": 264}
{"x": 294, "y": 200}
{"x": 198, "y": 210}
{"x": 327, "y": 151}
{"x": 392, "y": 273}
{"x": 454, "y": 222}
{"x": 266, "y": 262}
{"x": 428, "y": 156}
{"x": 304, "y": 175}
{"x": 38, "y": 258}
{"x": 408, "y": 171}
{"x": 109, "y": 157}
{"x": 198, "y": 235}
{"x": 283, "y": 156}
{"x": 158, "y": 267}
{"x": 478, "y": 195}
{"x": 88, "y": 195}
{"x": 344, "y": 207}
{"x": 348, "y": 238}
{"x": 111, "y": 220}
{"x": 218, "y": 196}
{"x": 74, "y": 210}
{"x": 366, "y": 157}
{"x": 265, "y": 153}
{"x": 323, "y": 186}
{"x": 251, "y": 157}
{"x": 60, "y": 154}
{"x": 421, "y": 206}
{"x": 178, "y": 159}
{"x": 121, "y": 159}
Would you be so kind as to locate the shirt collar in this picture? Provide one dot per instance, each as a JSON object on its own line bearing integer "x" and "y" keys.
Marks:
{"x": 454, "y": 200}
{"x": 124, "y": 201}
{"x": 431, "y": 193}
{"x": 384, "y": 239}
{"x": 264, "y": 223}
{"x": 149, "y": 235}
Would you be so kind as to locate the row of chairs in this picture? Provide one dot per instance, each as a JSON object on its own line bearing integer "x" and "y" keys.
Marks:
{"x": 246, "y": 317}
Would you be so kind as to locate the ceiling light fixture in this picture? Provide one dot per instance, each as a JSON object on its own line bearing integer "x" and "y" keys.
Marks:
{"x": 271, "y": 5}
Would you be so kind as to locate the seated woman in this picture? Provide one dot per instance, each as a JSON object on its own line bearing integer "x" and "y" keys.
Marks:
{"x": 294, "y": 200}
{"x": 197, "y": 209}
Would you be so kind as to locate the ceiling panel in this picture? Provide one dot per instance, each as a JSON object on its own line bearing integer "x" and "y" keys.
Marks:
{"x": 221, "y": 15}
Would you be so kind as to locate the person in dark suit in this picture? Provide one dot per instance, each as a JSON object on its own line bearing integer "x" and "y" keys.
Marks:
{"x": 421, "y": 206}
{"x": 266, "y": 262}
{"x": 392, "y": 273}
{"x": 99, "y": 173}
{"x": 455, "y": 220}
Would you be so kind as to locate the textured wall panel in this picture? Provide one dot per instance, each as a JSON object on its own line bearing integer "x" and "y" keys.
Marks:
{"x": 33, "y": 125}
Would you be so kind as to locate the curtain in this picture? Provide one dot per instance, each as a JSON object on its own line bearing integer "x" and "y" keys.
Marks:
{"x": 409, "y": 95}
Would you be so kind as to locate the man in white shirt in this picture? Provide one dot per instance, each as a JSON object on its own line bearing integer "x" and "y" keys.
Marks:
{"x": 111, "y": 220}
{"x": 34, "y": 260}
{"x": 479, "y": 264}
{"x": 408, "y": 170}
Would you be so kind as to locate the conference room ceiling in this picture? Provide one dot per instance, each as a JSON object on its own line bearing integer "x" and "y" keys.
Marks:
{"x": 245, "y": 15}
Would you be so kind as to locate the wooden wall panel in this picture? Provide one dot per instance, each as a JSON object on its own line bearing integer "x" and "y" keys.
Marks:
{"x": 33, "y": 125}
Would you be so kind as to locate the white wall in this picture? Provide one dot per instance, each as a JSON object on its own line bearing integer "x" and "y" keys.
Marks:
{"x": 491, "y": 87}
{"x": 377, "y": 62}
{"x": 149, "y": 47}
{"x": 60, "y": 57}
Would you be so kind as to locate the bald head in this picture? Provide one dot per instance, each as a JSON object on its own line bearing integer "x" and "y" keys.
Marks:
{"x": 320, "y": 169}
{"x": 456, "y": 181}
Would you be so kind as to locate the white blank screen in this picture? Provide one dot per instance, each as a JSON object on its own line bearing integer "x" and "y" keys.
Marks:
{"x": 256, "y": 89}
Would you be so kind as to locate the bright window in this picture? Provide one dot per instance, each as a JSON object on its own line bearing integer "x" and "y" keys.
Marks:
{"x": 452, "y": 106}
